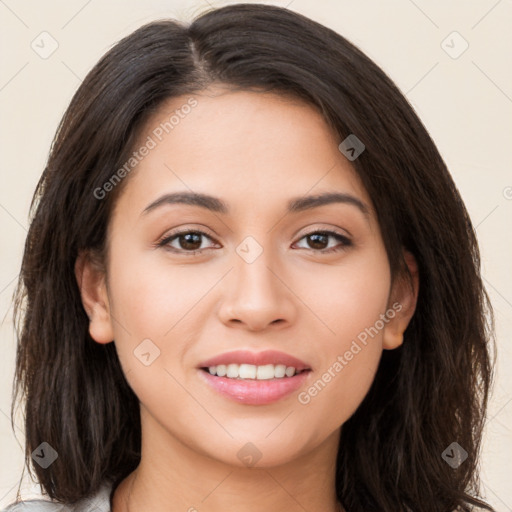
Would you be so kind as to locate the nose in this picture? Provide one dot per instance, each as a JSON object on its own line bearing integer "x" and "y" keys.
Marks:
{"x": 256, "y": 295}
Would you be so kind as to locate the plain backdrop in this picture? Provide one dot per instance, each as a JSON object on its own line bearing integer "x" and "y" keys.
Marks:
{"x": 452, "y": 60}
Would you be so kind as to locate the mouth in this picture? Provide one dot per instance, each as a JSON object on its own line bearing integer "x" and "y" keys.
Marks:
{"x": 245, "y": 360}
{"x": 254, "y": 378}
{"x": 253, "y": 372}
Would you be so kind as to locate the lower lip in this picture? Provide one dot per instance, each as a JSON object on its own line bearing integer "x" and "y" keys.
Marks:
{"x": 255, "y": 392}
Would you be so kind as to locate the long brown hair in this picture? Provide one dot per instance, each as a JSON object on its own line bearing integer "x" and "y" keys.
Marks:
{"x": 427, "y": 394}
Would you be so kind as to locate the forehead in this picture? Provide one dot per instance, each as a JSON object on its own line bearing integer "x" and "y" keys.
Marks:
{"x": 252, "y": 148}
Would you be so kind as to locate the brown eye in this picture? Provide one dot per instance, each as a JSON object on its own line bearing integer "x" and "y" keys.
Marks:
{"x": 319, "y": 241}
{"x": 184, "y": 241}
{"x": 189, "y": 241}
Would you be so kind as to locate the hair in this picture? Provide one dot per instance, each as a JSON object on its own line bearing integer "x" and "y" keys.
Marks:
{"x": 430, "y": 392}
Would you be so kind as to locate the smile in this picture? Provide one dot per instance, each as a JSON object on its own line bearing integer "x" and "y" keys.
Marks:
{"x": 250, "y": 371}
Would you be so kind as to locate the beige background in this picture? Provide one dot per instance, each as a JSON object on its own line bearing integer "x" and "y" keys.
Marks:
{"x": 465, "y": 103}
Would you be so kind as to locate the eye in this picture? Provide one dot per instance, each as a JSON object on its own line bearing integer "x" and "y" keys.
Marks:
{"x": 188, "y": 241}
{"x": 318, "y": 239}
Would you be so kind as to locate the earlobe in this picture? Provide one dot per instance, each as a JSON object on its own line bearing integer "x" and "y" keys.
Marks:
{"x": 92, "y": 286}
{"x": 402, "y": 302}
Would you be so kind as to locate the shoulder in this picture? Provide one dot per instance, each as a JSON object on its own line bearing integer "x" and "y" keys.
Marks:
{"x": 100, "y": 502}
{"x": 36, "y": 506}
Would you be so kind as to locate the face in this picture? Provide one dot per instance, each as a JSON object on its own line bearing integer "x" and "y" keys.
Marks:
{"x": 259, "y": 268}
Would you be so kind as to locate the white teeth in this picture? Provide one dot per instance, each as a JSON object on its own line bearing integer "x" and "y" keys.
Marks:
{"x": 280, "y": 370}
{"x": 265, "y": 372}
{"x": 247, "y": 371}
{"x": 250, "y": 371}
{"x": 232, "y": 372}
{"x": 289, "y": 371}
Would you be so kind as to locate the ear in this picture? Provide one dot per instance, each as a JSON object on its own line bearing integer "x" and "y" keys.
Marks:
{"x": 402, "y": 301}
{"x": 90, "y": 276}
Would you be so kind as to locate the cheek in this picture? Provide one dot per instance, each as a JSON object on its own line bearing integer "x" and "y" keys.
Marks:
{"x": 337, "y": 390}
{"x": 151, "y": 295}
{"x": 346, "y": 298}
{"x": 350, "y": 302}
{"x": 157, "y": 310}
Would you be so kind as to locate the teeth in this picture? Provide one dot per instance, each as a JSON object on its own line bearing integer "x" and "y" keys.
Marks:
{"x": 247, "y": 371}
{"x": 250, "y": 371}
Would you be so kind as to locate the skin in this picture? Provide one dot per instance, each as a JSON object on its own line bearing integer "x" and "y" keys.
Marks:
{"x": 255, "y": 151}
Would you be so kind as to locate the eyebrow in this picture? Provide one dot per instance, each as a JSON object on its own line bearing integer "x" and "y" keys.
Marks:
{"x": 294, "y": 205}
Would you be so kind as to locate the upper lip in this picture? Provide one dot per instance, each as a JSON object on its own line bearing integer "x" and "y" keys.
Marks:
{"x": 256, "y": 358}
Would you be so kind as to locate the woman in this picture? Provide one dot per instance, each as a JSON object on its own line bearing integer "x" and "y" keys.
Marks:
{"x": 250, "y": 283}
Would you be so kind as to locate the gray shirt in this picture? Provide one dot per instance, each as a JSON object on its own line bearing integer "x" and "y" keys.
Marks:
{"x": 100, "y": 502}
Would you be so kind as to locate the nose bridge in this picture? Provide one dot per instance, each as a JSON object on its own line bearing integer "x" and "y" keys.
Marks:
{"x": 252, "y": 269}
{"x": 256, "y": 295}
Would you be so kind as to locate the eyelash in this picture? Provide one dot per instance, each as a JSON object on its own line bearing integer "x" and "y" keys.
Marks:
{"x": 346, "y": 242}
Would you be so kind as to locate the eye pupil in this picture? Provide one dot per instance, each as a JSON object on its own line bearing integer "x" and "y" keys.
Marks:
{"x": 190, "y": 239}
{"x": 315, "y": 238}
